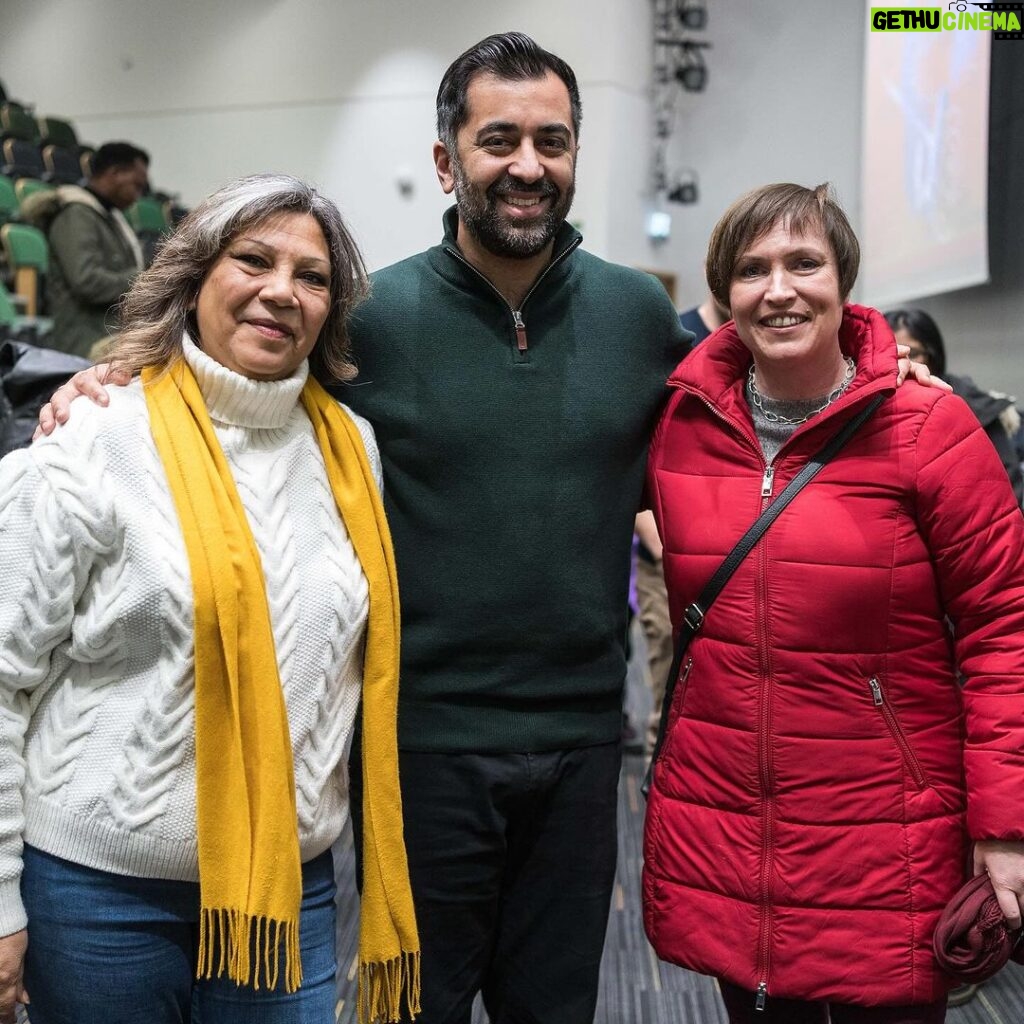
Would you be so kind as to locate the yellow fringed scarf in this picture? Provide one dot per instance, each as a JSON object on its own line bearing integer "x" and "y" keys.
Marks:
{"x": 249, "y": 871}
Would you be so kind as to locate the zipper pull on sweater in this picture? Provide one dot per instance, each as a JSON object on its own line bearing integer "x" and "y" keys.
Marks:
{"x": 517, "y": 316}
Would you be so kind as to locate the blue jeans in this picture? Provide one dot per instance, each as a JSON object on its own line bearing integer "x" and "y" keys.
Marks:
{"x": 118, "y": 950}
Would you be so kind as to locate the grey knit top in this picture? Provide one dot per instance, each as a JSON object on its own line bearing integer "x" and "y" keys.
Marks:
{"x": 771, "y": 435}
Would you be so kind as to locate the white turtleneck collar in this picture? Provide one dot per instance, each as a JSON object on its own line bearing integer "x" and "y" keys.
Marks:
{"x": 237, "y": 401}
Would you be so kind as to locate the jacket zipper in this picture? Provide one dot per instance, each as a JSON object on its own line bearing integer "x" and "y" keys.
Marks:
{"x": 764, "y": 760}
{"x": 764, "y": 713}
{"x": 764, "y": 722}
{"x": 762, "y": 995}
{"x": 907, "y": 752}
{"x": 518, "y": 323}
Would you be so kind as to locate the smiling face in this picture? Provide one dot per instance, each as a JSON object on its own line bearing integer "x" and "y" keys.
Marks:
{"x": 784, "y": 297}
{"x": 265, "y": 298}
{"x": 514, "y": 172}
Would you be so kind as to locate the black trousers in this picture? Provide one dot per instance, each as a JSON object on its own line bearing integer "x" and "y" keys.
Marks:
{"x": 739, "y": 1004}
{"x": 512, "y": 863}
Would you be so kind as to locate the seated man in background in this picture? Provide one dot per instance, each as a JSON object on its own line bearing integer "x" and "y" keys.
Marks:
{"x": 94, "y": 252}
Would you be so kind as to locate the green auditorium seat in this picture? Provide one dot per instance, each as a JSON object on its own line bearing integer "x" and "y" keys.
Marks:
{"x": 29, "y": 259}
{"x": 174, "y": 212}
{"x": 21, "y": 159}
{"x": 25, "y": 187}
{"x": 8, "y": 312}
{"x": 17, "y": 123}
{"x": 55, "y": 131}
{"x": 147, "y": 216}
{"x": 62, "y": 166}
{"x": 8, "y": 200}
{"x": 33, "y": 330}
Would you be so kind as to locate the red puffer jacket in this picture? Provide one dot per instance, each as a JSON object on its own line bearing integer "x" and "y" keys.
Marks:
{"x": 823, "y": 768}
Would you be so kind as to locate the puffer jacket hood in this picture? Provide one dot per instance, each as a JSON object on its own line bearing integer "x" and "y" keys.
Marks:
{"x": 40, "y": 208}
{"x": 716, "y": 372}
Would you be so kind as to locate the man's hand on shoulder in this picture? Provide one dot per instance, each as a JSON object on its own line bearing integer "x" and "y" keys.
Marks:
{"x": 91, "y": 382}
{"x": 917, "y": 372}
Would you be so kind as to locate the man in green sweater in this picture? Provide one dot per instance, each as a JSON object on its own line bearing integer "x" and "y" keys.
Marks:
{"x": 513, "y": 381}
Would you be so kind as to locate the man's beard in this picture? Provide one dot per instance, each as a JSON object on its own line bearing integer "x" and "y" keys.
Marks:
{"x": 479, "y": 211}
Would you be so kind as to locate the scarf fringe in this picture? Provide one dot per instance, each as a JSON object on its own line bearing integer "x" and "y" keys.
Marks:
{"x": 248, "y": 948}
{"x": 382, "y": 984}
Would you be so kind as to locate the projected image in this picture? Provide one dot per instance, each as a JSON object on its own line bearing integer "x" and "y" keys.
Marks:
{"x": 925, "y": 164}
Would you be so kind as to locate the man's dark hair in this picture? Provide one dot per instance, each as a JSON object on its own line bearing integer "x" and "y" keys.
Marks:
{"x": 116, "y": 154}
{"x": 512, "y": 56}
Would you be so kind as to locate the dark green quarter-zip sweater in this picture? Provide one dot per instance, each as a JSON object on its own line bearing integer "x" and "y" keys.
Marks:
{"x": 513, "y": 445}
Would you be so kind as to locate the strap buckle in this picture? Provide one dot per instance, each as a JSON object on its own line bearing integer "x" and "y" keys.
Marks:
{"x": 694, "y": 617}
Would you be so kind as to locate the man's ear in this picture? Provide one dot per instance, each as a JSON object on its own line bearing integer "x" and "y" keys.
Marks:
{"x": 443, "y": 166}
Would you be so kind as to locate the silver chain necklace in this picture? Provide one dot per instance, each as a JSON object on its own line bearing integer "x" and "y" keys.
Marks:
{"x": 774, "y": 417}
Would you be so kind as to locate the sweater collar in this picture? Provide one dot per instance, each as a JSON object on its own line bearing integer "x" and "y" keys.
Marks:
{"x": 449, "y": 262}
{"x": 237, "y": 401}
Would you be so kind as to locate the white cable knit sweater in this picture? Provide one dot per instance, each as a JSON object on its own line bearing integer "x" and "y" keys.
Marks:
{"x": 97, "y": 751}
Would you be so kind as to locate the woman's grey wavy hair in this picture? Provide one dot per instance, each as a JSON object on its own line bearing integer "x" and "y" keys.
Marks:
{"x": 160, "y": 306}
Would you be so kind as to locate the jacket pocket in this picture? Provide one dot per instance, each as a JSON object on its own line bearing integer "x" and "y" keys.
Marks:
{"x": 892, "y": 722}
{"x": 675, "y": 711}
{"x": 679, "y": 694}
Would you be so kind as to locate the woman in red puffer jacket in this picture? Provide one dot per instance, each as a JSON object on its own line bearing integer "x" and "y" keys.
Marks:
{"x": 846, "y": 738}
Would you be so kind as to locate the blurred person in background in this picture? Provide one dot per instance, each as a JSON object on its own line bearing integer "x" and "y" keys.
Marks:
{"x": 95, "y": 255}
{"x": 701, "y": 320}
{"x": 996, "y": 412}
{"x": 652, "y": 599}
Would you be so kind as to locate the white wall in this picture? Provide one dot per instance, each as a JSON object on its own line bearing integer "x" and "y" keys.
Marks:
{"x": 782, "y": 103}
{"x": 342, "y": 92}
{"x": 984, "y": 327}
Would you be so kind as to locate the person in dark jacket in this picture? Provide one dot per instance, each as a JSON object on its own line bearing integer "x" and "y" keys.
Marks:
{"x": 28, "y": 375}
{"x": 701, "y": 320}
{"x": 824, "y": 775}
{"x": 95, "y": 254}
{"x": 995, "y": 411}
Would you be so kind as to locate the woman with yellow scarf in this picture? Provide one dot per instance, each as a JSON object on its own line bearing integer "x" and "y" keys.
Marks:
{"x": 198, "y": 593}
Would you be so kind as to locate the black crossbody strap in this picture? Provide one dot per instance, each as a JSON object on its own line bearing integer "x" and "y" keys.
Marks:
{"x": 693, "y": 616}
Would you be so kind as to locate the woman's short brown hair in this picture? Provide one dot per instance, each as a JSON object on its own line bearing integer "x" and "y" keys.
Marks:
{"x": 798, "y": 208}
